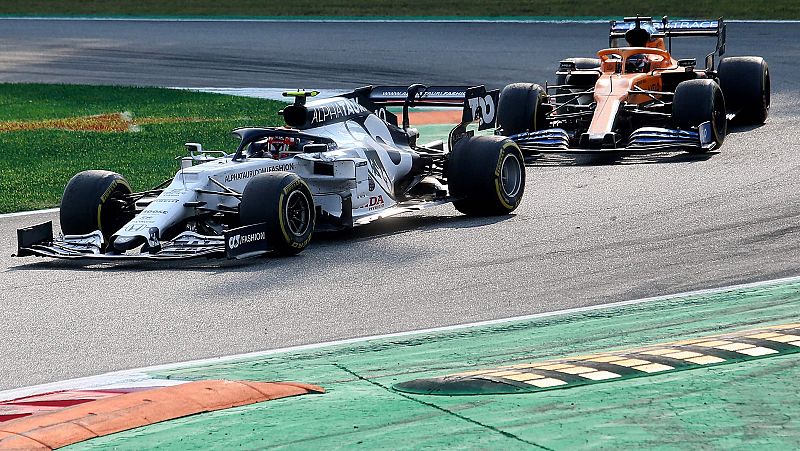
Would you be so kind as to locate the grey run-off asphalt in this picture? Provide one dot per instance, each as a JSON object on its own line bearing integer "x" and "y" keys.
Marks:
{"x": 584, "y": 235}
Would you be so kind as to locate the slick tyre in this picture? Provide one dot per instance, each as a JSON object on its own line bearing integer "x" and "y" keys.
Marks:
{"x": 95, "y": 200}
{"x": 745, "y": 83}
{"x": 519, "y": 108}
{"x": 284, "y": 203}
{"x": 698, "y": 101}
{"x": 580, "y": 64}
{"x": 580, "y": 82}
{"x": 487, "y": 175}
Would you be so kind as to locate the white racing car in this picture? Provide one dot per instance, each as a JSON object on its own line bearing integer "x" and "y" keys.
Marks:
{"x": 340, "y": 162}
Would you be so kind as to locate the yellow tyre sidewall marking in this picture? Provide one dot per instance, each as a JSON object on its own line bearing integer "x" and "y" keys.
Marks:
{"x": 497, "y": 181}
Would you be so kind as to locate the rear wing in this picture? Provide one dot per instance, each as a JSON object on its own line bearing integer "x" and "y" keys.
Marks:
{"x": 477, "y": 103}
{"x": 669, "y": 29}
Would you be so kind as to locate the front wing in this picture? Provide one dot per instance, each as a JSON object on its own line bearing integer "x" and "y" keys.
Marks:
{"x": 643, "y": 140}
{"x": 242, "y": 242}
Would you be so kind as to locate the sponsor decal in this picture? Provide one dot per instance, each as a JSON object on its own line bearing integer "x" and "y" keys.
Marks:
{"x": 336, "y": 110}
{"x": 705, "y": 133}
{"x": 108, "y": 191}
{"x": 246, "y": 241}
{"x": 237, "y": 240}
{"x": 672, "y": 24}
{"x": 254, "y": 172}
{"x": 136, "y": 227}
{"x": 375, "y": 202}
{"x": 482, "y": 108}
{"x": 428, "y": 93}
{"x": 377, "y": 170}
{"x": 481, "y": 105}
{"x": 166, "y": 200}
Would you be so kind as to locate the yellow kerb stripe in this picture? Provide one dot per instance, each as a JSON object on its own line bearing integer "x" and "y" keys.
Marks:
{"x": 600, "y": 375}
{"x": 781, "y": 338}
{"x": 522, "y": 377}
{"x": 577, "y": 370}
{"x": 631, "y": 362}
{"x": 735, "y": 346}
{"x": 705, "y": 360}
{"x": 758, "y": 351}
{"x": 606, "y": 359}
{"x": 546, "y": 382}
{"x": 653, "y": 368}
{"x": 683, "y": 355}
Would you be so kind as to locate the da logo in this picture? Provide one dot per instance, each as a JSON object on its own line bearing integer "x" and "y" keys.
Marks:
{"x": 234, "y": 241}
{"x": 375, "y": 202}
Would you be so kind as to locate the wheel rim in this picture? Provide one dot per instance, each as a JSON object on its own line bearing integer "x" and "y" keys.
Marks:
{"x": 114, "y": 213}
{"x": 511, "y": 175}
{"x": 298, "y": 213}
{"x": 718, "y": 115}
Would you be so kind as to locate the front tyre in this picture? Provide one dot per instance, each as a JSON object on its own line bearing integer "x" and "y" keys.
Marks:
{"x": 698, "y": 101}
{"x": 282, "y": 201}
{"x": 486, "y": 175}
{"x": 95, "y": 200}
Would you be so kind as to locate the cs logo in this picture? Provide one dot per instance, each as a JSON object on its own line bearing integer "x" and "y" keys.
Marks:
{"x": 234, "y": 241}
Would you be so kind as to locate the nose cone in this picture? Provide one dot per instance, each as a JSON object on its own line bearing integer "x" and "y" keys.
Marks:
{"x": 126, "y": 243}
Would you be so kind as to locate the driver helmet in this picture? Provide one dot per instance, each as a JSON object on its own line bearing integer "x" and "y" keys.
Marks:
{"x": 642, "y": 35}
{"x": 637, "y": 64}
{"x": 282, "y": 146}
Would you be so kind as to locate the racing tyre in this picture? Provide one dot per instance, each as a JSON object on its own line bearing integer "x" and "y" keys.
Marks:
{"x": 95, "y": 200}
{"x": 580, "y": 64}
{"x": 745, "y": 84}
{"x": 283, "y": 201}
{"x": 487, "y": 175}
{"x": 698, "y": 101}
{"x": 518, "y": 109}
{"x": 582, "y": 82}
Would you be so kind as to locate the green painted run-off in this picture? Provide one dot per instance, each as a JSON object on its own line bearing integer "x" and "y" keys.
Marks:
{"x": 742, "y": 405}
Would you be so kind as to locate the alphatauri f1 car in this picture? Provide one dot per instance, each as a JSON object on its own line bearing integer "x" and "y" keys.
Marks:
{"x": 636, "y": 97}
{"x": 339, "y": 163}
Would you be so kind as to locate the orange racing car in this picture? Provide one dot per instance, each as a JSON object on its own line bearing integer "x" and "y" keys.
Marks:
{"x": 636, "y": 97}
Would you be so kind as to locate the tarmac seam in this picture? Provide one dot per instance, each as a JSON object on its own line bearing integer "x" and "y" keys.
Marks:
{"x": 442, "y": 409}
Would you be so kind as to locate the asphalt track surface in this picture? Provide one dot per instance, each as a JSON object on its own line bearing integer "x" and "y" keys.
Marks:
{"x": 584, "y": 235}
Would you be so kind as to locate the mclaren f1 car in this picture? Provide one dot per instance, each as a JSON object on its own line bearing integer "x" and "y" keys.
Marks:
{"x": 338, "y": 163}
{"x": 637, "y": 98}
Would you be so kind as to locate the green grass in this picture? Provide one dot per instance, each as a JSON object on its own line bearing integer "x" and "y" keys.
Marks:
{"x": 36, "y": 165}
{"x": 740, "y": 9}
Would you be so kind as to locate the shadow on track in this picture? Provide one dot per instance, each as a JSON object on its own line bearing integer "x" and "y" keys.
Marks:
{"x": 322, "y": 240}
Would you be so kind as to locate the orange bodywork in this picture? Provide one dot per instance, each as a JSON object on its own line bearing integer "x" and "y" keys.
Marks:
{"x": 615, "y": 85}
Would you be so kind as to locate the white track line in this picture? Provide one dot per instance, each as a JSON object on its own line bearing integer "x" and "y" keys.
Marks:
{"x": 138, "y": 375}
{"x": 411, "y": 20}
{"x": 28, "y": 213}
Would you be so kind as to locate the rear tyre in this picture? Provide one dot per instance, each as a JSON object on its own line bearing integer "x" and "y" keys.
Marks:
{"x": 519, "y": 108}
{"x": 698, "y": 101}
{"x": 95, "y": 200}
{"x": 487, "y": 175}
{"x": 745, "y": 83}
{"x": 581, "y": 82}
{"x": 284, "y": 203}
{"x": 580, "y": 64}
